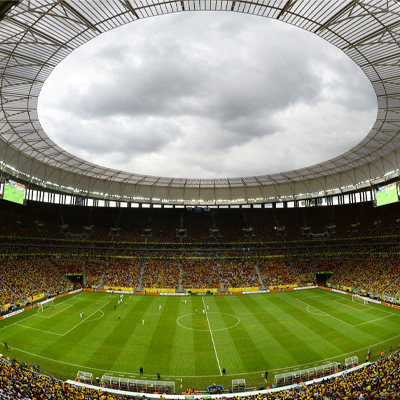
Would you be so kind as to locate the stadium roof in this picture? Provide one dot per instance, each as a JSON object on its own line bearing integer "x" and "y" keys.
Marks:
{"x": 36, "y": 35}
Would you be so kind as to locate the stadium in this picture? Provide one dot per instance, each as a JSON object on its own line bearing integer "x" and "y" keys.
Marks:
{"x": 121, "y": 285}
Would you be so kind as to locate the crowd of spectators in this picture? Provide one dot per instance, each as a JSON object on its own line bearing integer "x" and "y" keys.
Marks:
{"x": 69, "y": 266}
{"x": 238, "y": 273}
{"x": 7, "y": 295}
{"x": 40, "y": 273}
{"x": 381, "y": 281}
{"x": 46, "y": 220}
{"x": 123, "y": 273}
{"x": 19, "y": 283}
{"x": 303, "y": 269}
{"x": 341, "y": 276}
{"x": 160, "y": 274}
{"x": 201, "y": 274}
{"x": 23, "y": 277}
{"x": 362, "y": 272}
{"x": 20, "y": 383}
{"x": 378, "y": 380}
{"x": 274, "y": 272}
{"x": 94, "y": 272}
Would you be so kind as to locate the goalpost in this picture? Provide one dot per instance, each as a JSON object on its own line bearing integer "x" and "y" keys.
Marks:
{"x": 45, "y": 305}
{"x": 359, "y": 299}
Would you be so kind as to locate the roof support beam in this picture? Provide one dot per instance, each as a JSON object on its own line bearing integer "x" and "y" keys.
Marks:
{"x": 286, "y": 7}
{"x": 379, "y": 32}
{"x": 337, "y": 16}
{"x": 129, "y": 7}
{"x": 35, "y": 31}
{"x": 79, "y": 16}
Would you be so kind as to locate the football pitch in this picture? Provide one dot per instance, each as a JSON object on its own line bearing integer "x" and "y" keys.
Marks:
{"x": 243, "y": 334}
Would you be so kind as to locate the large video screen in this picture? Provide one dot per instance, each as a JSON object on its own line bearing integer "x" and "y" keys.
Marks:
{"x": 386, "y": 194}
{"x": 14, "y": 191}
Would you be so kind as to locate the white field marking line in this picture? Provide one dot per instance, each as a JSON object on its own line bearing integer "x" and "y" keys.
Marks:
{"x": 209, "y": 327}
{"x": 85, "y": 319}
{"x": 40, "y": 330}
{"x": 366, "y": 307}
{"x": 293, "y": 367}
{"x": 328, "y": 315}
{"x": 96, "y": 318}
{"x": 93, "y": 301}
{"x": 322, "y": 315}
{"x": 15, "y": 323}
{"x": 316, "y": 297}
{"x": 51, "y": 316}
{"x": 335, "y": 294}
{"x": 353, "y": 326}
{"x": 206, "y": 330}
{"x": 4, "y": 327}
{"x": 374, "y": 320}
{"x": 352, "y": 307}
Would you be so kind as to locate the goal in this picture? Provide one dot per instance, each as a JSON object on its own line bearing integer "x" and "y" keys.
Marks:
{"x": 359, "y": 299}
{"x": 45, "y": 305}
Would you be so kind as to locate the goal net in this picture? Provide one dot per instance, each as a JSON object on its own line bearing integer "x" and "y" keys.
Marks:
{"x": 359, "y": 299}
{"x": 45, "y": 304}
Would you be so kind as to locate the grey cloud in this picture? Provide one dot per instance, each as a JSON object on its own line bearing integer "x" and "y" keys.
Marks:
{"x": 172, "y": 80}
{"x": 156, "y": 99}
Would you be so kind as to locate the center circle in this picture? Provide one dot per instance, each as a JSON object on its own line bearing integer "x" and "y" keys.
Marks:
{"x": 203, "y": 323}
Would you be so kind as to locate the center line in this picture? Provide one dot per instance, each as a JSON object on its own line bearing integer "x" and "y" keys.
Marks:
{"x": 209, "y": 327}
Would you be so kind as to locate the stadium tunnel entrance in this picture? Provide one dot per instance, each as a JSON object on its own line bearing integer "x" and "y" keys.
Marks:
{"x": 322, "y": 278}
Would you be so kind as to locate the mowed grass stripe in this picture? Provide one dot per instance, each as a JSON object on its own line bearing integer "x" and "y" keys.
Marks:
{"x": 237, "y": 343}
{"x": 192, "y": 351}
{"x": 86, "y": 337}
{"x": 343, "y": 315}
{"x": 225, "y": 345}
{"x": 204, "y": 356}
{"x": 368, "y": 332}
{"x": 118, "y": 333}
{"x": 57, "y": 348}
{"x": 132, "y": 351}
{"x": 159, "y": 352}
{"x": 183, "y": 350}
{"x": 321, "y": 334}
{"x": 257, "y": 324}
{"x": 297, "y": 346}
{"x": 59, "y": 322}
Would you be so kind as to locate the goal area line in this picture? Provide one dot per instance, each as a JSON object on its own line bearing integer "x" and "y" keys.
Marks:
{"x": 324, "y": 313}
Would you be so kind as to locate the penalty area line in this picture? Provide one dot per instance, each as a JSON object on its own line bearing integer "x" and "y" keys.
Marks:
{"x": 85, "y": 319}
{"x": 209, "y": 327}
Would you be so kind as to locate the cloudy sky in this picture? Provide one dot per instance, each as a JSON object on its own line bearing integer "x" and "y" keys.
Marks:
{"x": 207, "y": 95}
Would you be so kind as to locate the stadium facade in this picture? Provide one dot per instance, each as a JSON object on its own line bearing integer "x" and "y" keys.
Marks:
{"x": 36, "y": 36}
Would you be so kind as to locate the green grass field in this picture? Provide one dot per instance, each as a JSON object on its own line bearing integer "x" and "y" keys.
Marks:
{"x": 245, "y": 334}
